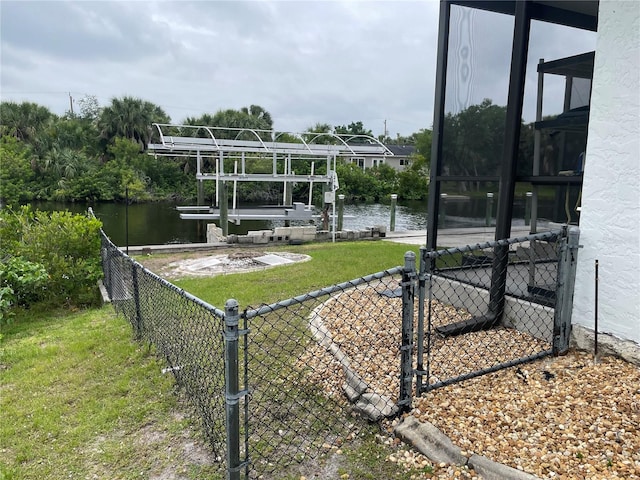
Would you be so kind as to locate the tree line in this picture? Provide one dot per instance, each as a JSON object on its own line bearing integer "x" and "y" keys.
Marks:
{"x": 99, "y": 154}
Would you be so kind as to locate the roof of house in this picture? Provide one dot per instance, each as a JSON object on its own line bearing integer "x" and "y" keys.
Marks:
{"x": 401, "y": 150}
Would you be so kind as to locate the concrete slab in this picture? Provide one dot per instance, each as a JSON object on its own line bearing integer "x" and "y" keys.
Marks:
{"x": 272, "y": 259}
{"x": 233, "y": 263}
{"x": 453, "y": 237}
{"x": 206, "y": 262}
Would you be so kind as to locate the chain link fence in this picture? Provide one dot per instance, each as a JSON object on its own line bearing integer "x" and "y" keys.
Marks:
{"x": 186, "y": 332}
{"x": 319, "y": 364}
{"x": 281, "y": 387}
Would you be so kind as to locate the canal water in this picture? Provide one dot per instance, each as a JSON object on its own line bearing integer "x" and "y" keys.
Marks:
{"x": 159, "y": 223}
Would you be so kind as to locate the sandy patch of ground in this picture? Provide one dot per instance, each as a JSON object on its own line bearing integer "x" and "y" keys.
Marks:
{"x": 239, "y": 261}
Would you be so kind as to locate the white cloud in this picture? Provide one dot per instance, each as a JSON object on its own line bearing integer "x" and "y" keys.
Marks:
{"x": 305, "y": 62}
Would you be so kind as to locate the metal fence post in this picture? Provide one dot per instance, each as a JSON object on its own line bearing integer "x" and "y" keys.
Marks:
{"x": 488, "y": 215}
{"x": 422, "y": 275}
{"x": 406, "y": 349}
{"x": 136, "y": 299}
{"x": 106, "y": 269}
{"x": 564, "y": 289}
{"x": 231, "y": 319}
{"x": 442, "y": 218}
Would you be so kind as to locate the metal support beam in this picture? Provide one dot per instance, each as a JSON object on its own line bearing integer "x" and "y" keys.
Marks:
{"x": 438, "y": 125}
{"x": 224, "y": 209}
{"x": 513, "y": 120}
{"x": 510, "y": 155}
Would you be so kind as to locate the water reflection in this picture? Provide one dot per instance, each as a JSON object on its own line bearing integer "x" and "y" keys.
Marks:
{"x": 160, "y": 223}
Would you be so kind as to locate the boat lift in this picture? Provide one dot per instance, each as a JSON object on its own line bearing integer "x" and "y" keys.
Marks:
{"x": 227, "y": 156}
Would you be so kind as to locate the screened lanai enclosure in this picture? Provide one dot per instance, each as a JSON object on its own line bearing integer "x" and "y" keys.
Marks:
{"x": 511, "y": 110}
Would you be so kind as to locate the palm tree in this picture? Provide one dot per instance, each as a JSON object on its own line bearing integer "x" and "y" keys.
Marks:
{"x": 314, "y": 134}
{"x": 204, "y": 120}
{"x": 130, "y": 118}
{"x": 260, "y": 114}
{"x": 253, "y": 117}
{"x": 25, "y": 120}
{"x": 65, "y": 163}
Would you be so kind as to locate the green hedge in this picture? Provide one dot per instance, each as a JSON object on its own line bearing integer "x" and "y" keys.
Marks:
{"x": 51, "y": 257}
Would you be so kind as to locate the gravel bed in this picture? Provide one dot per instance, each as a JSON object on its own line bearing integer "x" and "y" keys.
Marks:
{"x": 562, "y": 417}
{"x": 557, "y": 418}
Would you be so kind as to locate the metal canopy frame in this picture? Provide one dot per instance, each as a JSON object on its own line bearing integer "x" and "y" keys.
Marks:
{"x": 216, "y": 145}
{"x": 581, "y": 14}
{"x": 237, "y": 146}
{"x": 345, "y": 145}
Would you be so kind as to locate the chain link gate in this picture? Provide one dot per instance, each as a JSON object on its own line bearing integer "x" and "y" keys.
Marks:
{"x": 494, "y": 305}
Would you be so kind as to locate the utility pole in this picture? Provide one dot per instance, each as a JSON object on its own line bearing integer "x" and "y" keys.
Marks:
{"x": 71, "y": 103}
{"x": 385, "y": 129}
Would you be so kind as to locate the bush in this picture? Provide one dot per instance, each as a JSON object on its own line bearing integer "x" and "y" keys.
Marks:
{"x": 6, "y": 302}
{"x": 26, "y": 280}
{"x": 65, "y": 246}
{"x": 21, "y": 283}
{"x": 15, "y": 173}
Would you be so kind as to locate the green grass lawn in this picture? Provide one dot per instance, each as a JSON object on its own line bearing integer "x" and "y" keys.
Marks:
{"x": 330, "y": 263}
{"x": 79, "y": 398}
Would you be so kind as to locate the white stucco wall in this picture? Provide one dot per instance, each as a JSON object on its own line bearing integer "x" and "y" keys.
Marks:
{"x": 610, "y": 218}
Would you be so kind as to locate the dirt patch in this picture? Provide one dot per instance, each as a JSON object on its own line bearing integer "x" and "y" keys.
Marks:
{"x": 150, "y": 436}
{"x": 232, "y": 261}
{"x": 182, "y": 452}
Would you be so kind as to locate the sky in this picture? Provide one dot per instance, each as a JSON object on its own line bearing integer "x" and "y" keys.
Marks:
{"x": 305, "y": 62}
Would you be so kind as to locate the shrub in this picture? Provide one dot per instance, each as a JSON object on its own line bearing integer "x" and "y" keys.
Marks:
{"x": 65, "y": 245}
{"x": 15, "y": 173}
{"x": 6, "y": 302}
{"x": 26, "y": 280}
